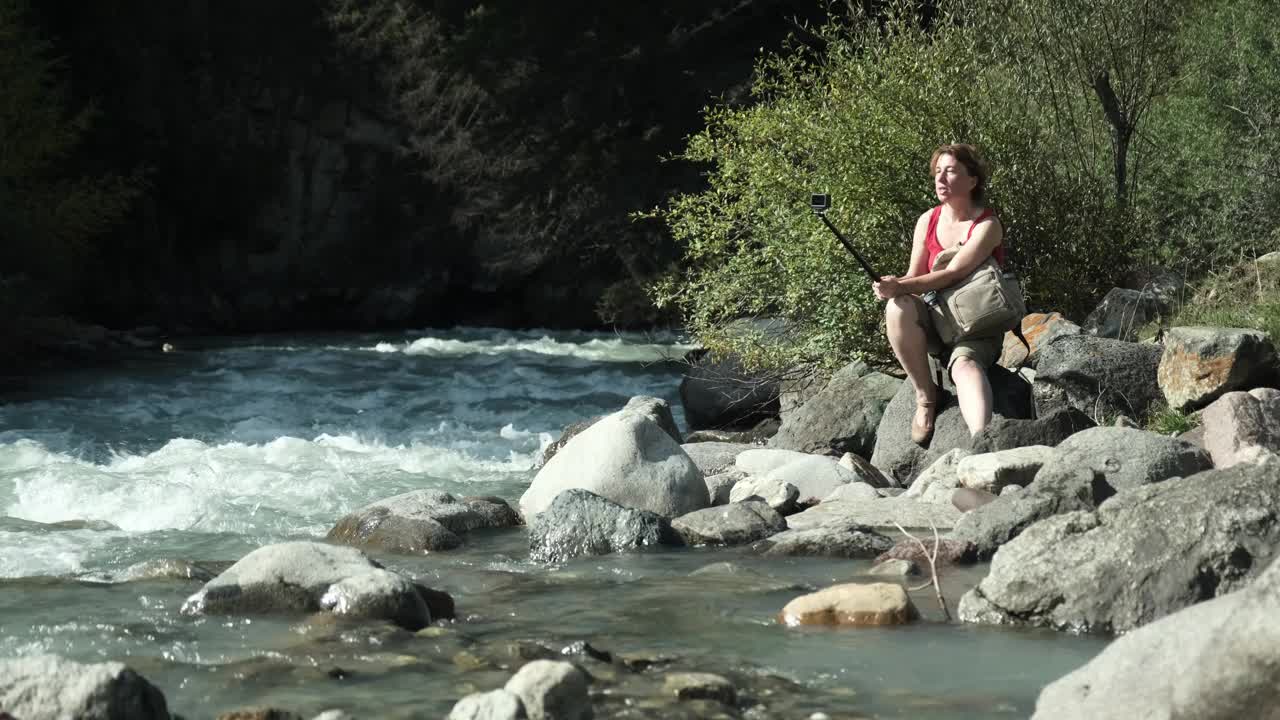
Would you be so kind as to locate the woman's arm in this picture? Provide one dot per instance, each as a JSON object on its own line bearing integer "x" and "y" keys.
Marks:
{"x": 986, "y": 237}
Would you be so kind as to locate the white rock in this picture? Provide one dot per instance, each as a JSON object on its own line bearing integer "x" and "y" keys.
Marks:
{"x": 993, "y": 471}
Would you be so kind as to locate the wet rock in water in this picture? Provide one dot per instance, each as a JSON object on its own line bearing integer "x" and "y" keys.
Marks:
{"x": 993, "y": 471}
{"x": 49, "y": 687}
{"x": 1242, "y": 426}
{"x": 260, "y": 714}
{"x": 843, "y": 416}
{"x": 579, "y": 522}
{"x": 497, "y": 704}
{"x": 950, "y": 552}
{"x": 835, "y": 540}
{"x": 851, "y": 604}
{"x": 853, "y": 492}
{"x": 421, "y": 521}
{"x": 552, "y": 690}
{"x": 700, "y": 686}
{"x": 1099, "y": 377}
{"x": 307, "y": 577}
{"x": 714, "y": 457}
{"x": 655, "y": 409}
{"x": 166, "y": 569}
{"x": 720, "y": 485}
{"x": 881, "y": 514}
{"x": 1200, "y": 364}
{"x": 1211, "y": 661}
{"x": 1050, "y": 429}
{"x": 582, "y": 648}
{"x": 1141, "y": 555}
{"x": 893, "y": 567}
{"x": 734, "y": 524}
{"x": 627, "y": 458}
{"x": 777, "y": 494}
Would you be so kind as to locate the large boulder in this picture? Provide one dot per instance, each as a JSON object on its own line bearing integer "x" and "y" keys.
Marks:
{"x": 500, "y": 704}
{"x": 655, "y": 409}
{"x": 721, "y": 393}
{"x": 762, "y": 461}
{"x": 308, "y": 577}
{"x": 579, "y": 522}
{"x": 843, "y": 417}
{"x": 421, "y": 521}
{"x": 1212, "y": 661}
{"x": 48, "y": 687}
{"x": 1122, "y": 313}
{"x": 1200, "y": 364}
{"x": 1099, "y": 377}
{"x": 735, "y": 524}
{"x": 1242, "y": 426}
{"x": 713, "y": 458}
{"x": 1039, "y": 329}
{"x": 1141, "y": 555}
{"x": 851, "y": 604}
{"x": 992, "y": 472}
{"x": 1050, "y": 429}
{"x": 901, "y": 460}
{"x": 1129, "y": 457}
{"x": 628, "y": 458}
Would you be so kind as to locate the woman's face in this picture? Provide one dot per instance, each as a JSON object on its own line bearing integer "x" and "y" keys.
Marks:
{"x": 951, "y": 179}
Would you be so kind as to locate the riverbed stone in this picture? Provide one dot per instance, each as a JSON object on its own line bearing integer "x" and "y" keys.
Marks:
{"x": 991, "y": 472}
{"x": 881, "y": 514}
{"x": 939, "y": 479}
{"x": 50, "y": 687}
{"x": 894, "y": 567}
{"x": 778, "y": 494}
{"x": 844, "y": 540}
{"x": 421, "y": 521}
{"x": 579, "y": 522}
{"x": 1141, "y": 555}
{"x": 1200, "y": 364}
{"x": 1050, "y": 430}
{"x": 714, "y": 457}
{"x": 700, "y": 686}
{"x": 854, "y": 604}
{"x": 500, "y": 704}
{"x": 814, "y": 476}
{"x": 734, "y": 524}
{"x": 1242, "y": 426}
{"x": 842, "y": 417}
{"x": 1100, "y": 377}
{"x": 551, "y": 690}
{"x": 628, "y": 458}
{"x": 902, "y": 460}
{"x": 1215, "y": 660}
{"x": 950, "y": 551}
{"x": 308, "y": 577}
{"x": 720, "y": 485}
{"x": 1039, "y": 329}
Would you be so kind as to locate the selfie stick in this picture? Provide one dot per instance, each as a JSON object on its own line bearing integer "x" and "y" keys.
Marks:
{"x": 849, "y": 246}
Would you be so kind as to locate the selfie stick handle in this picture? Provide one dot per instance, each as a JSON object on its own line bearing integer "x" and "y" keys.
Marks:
{"x": 849, "y": 246}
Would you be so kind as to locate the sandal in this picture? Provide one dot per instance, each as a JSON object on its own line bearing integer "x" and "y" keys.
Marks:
{"x": 920, "y": 434}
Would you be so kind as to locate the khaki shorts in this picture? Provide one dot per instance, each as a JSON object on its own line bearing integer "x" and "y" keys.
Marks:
{"x": 984, "y": 351}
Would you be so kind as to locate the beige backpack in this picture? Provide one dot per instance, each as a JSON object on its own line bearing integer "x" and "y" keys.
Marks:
{"x": 988, "y": 302}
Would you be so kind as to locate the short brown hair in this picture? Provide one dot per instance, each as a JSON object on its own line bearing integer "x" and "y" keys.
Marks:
{"x": 972, "y": 160}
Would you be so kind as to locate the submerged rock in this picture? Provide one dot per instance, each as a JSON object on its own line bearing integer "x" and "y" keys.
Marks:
{"x": 579, "y": 522}
{"x": 843, "y": 540}
{"x": 48, "y": 687}
{"x": 851, "y": 604}
{"x": 421, "y": 521}
{"x": 700, "y": 686}
{"x": 307, "y": 577}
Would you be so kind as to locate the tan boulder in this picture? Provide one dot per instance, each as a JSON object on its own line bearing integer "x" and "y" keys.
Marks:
{"x": 1200, "y": 364}
{"x": 851, "y": 604}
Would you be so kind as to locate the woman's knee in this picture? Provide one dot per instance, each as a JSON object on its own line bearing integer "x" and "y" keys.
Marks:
{"x": 900, "y": 311}
{"x": 965, "y": 370}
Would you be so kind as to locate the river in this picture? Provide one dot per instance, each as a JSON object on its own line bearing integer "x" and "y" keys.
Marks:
{"x": 119, "y": 484}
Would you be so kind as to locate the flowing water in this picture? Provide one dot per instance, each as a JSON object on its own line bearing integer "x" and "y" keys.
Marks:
{"x": 198, "y": 456}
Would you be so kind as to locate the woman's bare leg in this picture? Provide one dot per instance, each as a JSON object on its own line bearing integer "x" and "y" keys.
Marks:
{"x": 910, "y": 345}
{"x": 973, "y": 391}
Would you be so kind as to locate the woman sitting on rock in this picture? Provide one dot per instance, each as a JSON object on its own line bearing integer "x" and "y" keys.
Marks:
{"x": 968, "y": 234}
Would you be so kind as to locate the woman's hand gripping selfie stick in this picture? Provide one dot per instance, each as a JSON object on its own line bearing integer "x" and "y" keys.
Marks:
{"x": 820, "y": 205}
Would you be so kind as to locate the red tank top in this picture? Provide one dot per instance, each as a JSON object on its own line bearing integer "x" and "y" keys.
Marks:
{"x": 933, "y": 247}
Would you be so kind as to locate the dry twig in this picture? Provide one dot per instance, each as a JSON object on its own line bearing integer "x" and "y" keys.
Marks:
{"x": 933, "y": 566}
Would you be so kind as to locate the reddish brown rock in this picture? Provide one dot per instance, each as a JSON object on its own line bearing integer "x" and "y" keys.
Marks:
{"x": 1039, "y": 329}
{"x": 851, "y": 604}
{"x": 1200, "y": 364}
{"x": 952, "y": 552}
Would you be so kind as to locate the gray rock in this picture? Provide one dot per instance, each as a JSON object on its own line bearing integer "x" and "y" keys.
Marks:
{"x": 762, "y": 461}
{"x": 844, "y": 540}
{"x": 1211, "y": 661}
{"x": 1099, "y": 377}
{"x": 735, "y": 524}
{"x": 713, "y": 458}
{"x": 870, "y": 474}
{"x": 700, "y": 686}
{"x": 308, "y": 577}
{"x": 1127, "y": 457}
{"x": 579, "y": 522}
{"x": 421, "y": 521}
{"x": 777, "y": 494}
{"x": 1200, "y": 364}
{"x": 902, "y": 460}
{"x": 842, "y": 417}
{"x": 1050, "y": 429}
{"x": 853, "y": 492}
{"x": 992, "y": 472}
{"x": 720, "y": 486}
{"x": 1242, "y": 427}
{"x": 1141, "y": 555}
{"x": 939, "y": 479}
{"x": 498, "y": 704}
{"x": 799, "y": 385}
{"x": 48, "y": 687}
{"x": 721, "y": 393}
{"x": 814, "y": 476}
{"x": 1122, "y": 313}
{"x": 756, "y": 436}
{"x": 628, "y": 458}
{"x": 894, "y": 567}
{"x": 880, "y": 514}
{"x": 656, "y": 409}
{"x": 552, "y": 690}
